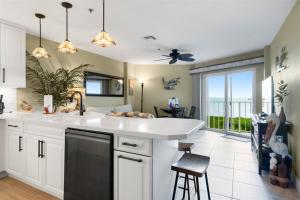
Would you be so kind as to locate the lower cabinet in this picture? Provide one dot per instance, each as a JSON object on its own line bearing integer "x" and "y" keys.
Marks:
{"x": 16, "y": 154}
{"x": 38, "y": 160}
{"x": 132, "y": 176}
{"x": 53, "y": 169}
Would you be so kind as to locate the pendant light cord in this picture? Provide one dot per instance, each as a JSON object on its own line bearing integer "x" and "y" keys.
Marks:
{"x": 103, "y": 17}
{"x": 40, "y": 20}
{"x": 67, "y": 24}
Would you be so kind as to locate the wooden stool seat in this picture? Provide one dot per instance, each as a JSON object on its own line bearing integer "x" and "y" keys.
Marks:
{"x": 192, "y": 164}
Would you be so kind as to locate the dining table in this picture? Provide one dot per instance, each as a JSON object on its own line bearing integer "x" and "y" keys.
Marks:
{"x": 176, "y": 112}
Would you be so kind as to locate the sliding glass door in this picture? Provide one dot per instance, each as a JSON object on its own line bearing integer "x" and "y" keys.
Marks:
{"x": 229, "y": 101}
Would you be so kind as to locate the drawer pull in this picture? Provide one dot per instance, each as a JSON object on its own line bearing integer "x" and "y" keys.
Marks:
{"x": 20, "y": 143}
{"x": 129, "y": 144}
{"x": 132, "y": 159}
{"x": 14, "y": 126}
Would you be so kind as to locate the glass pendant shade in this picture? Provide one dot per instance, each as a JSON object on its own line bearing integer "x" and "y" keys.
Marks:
{"x": 67, "y": 47}
{"x": 103, "y": 39}
{"x": 40, "y": 52}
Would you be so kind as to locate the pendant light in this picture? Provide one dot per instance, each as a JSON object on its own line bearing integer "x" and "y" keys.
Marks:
{"x": 103, "y": 39}
{"x": 66, "y": 46}
{"x": 40, "y": 52}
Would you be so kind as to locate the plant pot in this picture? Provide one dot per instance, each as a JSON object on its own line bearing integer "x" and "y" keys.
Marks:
{"x": 282, "y": 115}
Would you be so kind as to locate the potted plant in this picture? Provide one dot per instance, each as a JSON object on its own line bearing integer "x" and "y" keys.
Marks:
{"x": 57, "y": 83}
{"x": 281, "y": 94}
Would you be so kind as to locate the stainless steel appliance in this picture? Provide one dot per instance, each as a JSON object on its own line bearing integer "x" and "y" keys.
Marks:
{"x": 88, "y": 165}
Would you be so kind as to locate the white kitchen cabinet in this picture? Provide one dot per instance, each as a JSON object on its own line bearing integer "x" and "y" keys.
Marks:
{"x": 12, "y": 56}
{"x": 16, "y": 155}
{"x": 53, "y": 169}
{"x": 33, "y": 160}
{"x": 132, "y": 176}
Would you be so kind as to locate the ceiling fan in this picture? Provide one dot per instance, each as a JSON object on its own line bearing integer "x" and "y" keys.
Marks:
{"x": 175, "y": 56}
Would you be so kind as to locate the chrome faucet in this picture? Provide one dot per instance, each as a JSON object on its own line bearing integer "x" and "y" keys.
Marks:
{"x": 81, "y": 104}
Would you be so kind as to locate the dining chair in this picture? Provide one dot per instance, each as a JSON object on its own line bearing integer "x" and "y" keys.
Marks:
{"x": 192, "y": 113}
{"x": 156, "y": 113}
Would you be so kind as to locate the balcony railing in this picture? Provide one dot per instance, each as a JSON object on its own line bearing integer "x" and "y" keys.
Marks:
{"x": 238, "y": 116}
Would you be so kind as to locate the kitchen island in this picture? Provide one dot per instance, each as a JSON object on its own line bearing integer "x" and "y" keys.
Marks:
{"x": 152, "y": 142}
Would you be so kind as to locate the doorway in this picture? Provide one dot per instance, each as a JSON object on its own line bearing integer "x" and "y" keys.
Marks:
{"x": 229, "y": 100}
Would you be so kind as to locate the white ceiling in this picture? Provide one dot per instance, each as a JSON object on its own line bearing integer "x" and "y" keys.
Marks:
{"x": 208, "y": 28}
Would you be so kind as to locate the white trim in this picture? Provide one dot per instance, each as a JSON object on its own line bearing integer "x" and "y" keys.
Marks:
{"x": 248, "y": 62}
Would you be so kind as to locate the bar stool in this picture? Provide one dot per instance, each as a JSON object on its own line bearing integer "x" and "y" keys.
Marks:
{"x": 194, "y": 165}
{"x": 186, "y": 146}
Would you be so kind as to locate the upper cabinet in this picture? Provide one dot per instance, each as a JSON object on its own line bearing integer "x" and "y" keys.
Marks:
{"x": 12, "y": 56}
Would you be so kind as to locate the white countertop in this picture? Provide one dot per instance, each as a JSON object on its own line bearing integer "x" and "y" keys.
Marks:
{"x": 159, "y": 128}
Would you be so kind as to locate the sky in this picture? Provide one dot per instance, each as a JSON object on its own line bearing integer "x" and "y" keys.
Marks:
{"x": 241, "y": 85}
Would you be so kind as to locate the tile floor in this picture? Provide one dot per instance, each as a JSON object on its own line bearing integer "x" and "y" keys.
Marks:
{"x": 233, "y": 172}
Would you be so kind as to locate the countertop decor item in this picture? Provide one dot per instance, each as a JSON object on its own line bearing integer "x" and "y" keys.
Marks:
{"x": 103, "y": 39}
{"x": 40, "y": 52}
{"x": 66, "y": 46}
{"x": 281, "y": 60}
{"x": 58, "y": 83}
{"x": 281, "y": 94}
{"x": 26, "y": 107}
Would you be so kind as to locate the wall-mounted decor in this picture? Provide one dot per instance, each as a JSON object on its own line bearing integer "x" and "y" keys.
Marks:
{"x": 281, "y": 94}
{"x": 131, "y": 86}
{"x": 103, "y": 85}
{"x": 281, "y": 60}
{"x": 170, "y": 85}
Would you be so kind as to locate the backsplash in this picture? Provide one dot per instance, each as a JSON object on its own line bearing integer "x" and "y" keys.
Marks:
{"x": 9, "y": 99}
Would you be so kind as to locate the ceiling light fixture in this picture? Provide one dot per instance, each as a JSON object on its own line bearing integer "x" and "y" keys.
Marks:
{"x": 66, "y": 46}
{"x": 40, "y": 52}
{"x": 103, "y": 39}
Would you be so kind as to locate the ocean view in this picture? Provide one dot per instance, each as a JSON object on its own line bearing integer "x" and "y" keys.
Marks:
{"x": 239, "y": 107}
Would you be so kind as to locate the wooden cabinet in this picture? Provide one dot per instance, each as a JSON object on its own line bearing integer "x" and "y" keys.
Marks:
{"x": 12, "y": 56}
{"x": 132, "y": 176}
{"x": 16, "y": 155}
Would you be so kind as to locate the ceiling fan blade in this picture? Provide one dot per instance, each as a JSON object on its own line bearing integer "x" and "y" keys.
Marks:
{"x": 162, "y": 59}
{"x": 186, "y": 59}
{"x": 172, "y": 61}
{"x": 186, "y": 55}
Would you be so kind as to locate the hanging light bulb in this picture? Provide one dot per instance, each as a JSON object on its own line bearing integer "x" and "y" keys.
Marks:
{"x": 40, "y": 52}
{"x": 66, "y": 46}
{"x": 103, "y": 39}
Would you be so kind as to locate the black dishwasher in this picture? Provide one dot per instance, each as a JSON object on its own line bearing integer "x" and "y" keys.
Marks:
{"x": 88, "y": 165}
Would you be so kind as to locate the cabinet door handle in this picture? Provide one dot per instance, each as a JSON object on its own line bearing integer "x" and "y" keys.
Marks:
{"x": 3, "y": 75}
{"x": 39, "y": 148}
{"x": 14, "y": 126}
{"x": 129, "y": 144}
{"x": 42, "y": 149}
{"x": 132, "y": 159}
{"x": 20, "y": 143}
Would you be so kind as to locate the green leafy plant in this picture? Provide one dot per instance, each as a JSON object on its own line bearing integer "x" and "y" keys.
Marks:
{"x": 281, "y": 92}
{"x": 58, "y": 83}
